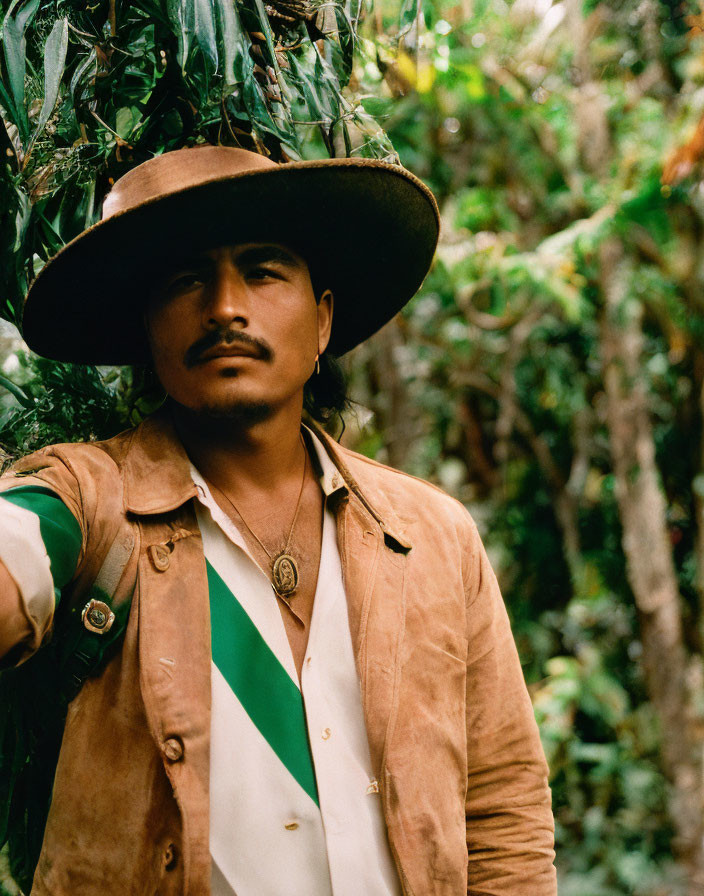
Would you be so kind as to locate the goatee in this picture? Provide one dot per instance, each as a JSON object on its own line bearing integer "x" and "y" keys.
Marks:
{"x": 225, "y": 415}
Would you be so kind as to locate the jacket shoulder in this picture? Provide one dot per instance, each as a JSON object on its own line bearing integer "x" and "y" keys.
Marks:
{"x": 77, "y": 457}
{"x": 409, "y": 495}
{"x": 85, "y": 475}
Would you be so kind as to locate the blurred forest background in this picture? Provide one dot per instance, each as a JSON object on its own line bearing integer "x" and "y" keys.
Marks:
{"x": 550, "y": 373}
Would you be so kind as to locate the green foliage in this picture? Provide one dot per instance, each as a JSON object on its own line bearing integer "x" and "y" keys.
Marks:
{"x": 68, "y": 403}
{"x": 608, "y": 791}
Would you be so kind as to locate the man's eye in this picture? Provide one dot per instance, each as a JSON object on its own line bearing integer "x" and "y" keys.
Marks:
{"x": 261, "y": 273}
{"x": 184, "y": 281}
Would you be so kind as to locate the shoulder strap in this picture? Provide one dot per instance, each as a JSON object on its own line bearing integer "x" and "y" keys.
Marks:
{"x": 96, "y": 625}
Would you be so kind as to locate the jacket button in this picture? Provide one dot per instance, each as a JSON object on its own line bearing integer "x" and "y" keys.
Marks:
{"x": 159, "y": 555}
{"x": 173, "y": 748}
{"x": 170, "y": 857}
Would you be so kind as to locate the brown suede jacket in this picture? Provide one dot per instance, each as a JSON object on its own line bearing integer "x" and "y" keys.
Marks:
{"x": 453, "y": 739}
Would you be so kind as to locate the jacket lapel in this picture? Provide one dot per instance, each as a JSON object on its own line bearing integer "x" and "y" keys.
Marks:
{"x": 374, "y": 582}
{"x": 373, "y": 549}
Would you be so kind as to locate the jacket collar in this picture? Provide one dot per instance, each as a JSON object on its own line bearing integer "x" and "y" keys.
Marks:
{"x": 157, "y": 476}
{"x": 156, "y": 470}
{"x": 373, "y": 499}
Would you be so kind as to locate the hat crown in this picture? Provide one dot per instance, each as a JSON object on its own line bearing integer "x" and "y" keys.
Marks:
{"x": 178, "y": 170}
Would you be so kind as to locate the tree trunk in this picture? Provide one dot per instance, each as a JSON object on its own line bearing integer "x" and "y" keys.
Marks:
{"x": 648, "y": 552}
{"x": 397, "y": 417}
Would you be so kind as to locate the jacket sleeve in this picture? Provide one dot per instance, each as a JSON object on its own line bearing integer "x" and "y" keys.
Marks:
{"x": 510, "y": 828}
{"x": 41, "y": 541}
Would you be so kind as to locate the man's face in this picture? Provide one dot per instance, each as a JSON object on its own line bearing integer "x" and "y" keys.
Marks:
{"x": 235, "y": 330}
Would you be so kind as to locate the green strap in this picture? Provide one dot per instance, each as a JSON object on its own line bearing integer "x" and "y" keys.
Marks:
{"x": 259, "y": 681}
{"x": 59, "y": 529}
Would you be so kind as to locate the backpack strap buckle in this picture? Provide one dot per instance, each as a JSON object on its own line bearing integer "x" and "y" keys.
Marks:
{"x": 97, "y": 616}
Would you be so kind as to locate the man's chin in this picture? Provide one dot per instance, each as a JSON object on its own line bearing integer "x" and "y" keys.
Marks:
{"x": 234, "y": 411}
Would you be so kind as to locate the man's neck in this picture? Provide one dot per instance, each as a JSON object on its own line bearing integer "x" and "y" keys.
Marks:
{"x": 241, "y": 457}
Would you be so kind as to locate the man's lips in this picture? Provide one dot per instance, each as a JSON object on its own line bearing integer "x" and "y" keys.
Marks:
{"x": 227, "y": 344}
{"x": 228, "y": 351}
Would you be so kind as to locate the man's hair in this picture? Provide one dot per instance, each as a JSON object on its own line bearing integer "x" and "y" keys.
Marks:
{"x": 325, "y": 393}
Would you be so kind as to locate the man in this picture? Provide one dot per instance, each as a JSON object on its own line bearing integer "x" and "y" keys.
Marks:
{"x": 317, "y": 691}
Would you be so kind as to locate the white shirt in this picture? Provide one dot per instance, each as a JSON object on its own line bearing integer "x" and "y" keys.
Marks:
{"x": 269, "y": 834}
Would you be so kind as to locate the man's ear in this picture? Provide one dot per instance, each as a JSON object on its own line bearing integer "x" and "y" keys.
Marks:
{"x": 325, "y": 310}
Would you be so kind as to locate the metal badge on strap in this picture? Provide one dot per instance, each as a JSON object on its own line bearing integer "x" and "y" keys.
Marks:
{"x": 96, "y": 615}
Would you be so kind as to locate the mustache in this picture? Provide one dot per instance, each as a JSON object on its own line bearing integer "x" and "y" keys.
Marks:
{"x": 260, "y": 348}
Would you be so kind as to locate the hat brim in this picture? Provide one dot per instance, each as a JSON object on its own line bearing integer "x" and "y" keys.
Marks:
{"x": 369, "y": 229}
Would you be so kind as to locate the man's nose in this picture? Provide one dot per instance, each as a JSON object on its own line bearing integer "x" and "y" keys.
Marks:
{"x": 227, "y": 298}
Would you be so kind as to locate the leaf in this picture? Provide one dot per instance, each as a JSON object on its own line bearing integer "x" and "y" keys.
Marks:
{"x": 342, "y": 50}
{"x": 126, "y": 120}
{"x": 179, "y": 18}
{"x": 14, "y": 47}
{"x": 79, "y": 81}
{"x": 205, "y": 29}
{"x": 194, "y": 18}
{"x": 15, "y": 390}
{"x": 52, "y": 238}
{"x": 307, "y": 87}
{"x": 22, "y": 218}
{"x": 258, "y": 110}
{"x": 7, "y": 101}
{"x": 266, "y": 28}
{"x": 353, "y": 10}
{"x": 235, "y": 44}
{"x": 407, "y": 16}
{"x": 54, "y": 64}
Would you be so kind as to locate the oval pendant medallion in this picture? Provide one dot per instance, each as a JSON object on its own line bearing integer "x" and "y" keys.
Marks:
{"x": 284, "y": 573}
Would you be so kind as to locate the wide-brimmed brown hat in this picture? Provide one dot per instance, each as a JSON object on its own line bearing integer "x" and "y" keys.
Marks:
{"x": 368, "y": 229}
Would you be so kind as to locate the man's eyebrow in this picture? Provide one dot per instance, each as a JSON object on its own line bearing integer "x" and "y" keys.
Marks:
{"x": 196, "y": 261}
{"x": 260, "y": 254}
{"x": 202, "y": 261}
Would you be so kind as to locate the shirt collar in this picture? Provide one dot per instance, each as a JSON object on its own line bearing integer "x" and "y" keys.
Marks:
{"x": 328, "y": 475}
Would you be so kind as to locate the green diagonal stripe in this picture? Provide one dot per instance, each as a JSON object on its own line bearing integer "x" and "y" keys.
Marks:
{"x": 60, "y": 532}
{"x": 259, "y": 681}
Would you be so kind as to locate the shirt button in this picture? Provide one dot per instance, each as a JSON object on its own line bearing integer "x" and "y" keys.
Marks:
{"x": 326, "y": 733}
{"x": 291, "y": 825}
{"x": 173, "y": 748}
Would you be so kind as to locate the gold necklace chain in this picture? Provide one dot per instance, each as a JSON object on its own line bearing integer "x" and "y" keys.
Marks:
{"x": 284, "y": 567}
